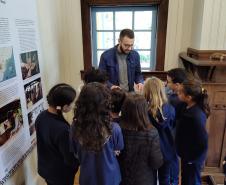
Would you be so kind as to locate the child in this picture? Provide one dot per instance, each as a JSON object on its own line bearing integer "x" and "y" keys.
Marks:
{"x": 161, "y": 115}
{"x": 175, "y": 77}
{"x": 95, "y": 75}
{"x": 95, "y": 139}
{"x": 191, "y": 135}
{"x": 141, "y": 155}
{"x": 55, "y": 162}
{"x": 117, "y": 99}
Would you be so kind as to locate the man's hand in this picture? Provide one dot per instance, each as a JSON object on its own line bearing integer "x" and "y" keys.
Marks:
{"x": 117, "y": 152}
{"x": 115, "y": 87}
{"x": 139, "y": 87}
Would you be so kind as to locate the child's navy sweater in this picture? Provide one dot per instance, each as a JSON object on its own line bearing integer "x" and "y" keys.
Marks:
{"x": 56, "y": 163}
{"x": 191, "y": 135}
{"x": 163, "y": 125}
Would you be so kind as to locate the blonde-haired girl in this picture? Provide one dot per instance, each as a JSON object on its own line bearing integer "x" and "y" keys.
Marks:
{"x": 162, "y": 116}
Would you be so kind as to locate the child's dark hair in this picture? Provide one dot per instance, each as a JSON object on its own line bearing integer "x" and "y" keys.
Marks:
{"x": 178, "y": 75}
{"x": 95, "y": 75}
{"x": 60, "y": 95}
{"x": 117, "y": 99}
{"x": 135, "y": 113}
{"x": 91, "y": 125}
{"x": 199, "y": 95}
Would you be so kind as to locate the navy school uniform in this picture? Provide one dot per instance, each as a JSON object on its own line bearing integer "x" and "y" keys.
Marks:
{"x": 100, "y": 168}
{"x": 192, "y": 144}
{"x": 177, "y": 104}
{"x": 163, "y": 125}
{"x": 117, "y": 120}
{"x": 56, "y": 164}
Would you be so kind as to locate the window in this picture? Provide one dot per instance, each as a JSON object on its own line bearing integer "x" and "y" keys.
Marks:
{"x": 161, "y": 28}
{"x": 108, "y": 22}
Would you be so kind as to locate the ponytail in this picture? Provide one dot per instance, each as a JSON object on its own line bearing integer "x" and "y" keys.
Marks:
{"x": 199, "y": 95}
{"x": 203, "y": 102}
{"x": 60, "y": 95}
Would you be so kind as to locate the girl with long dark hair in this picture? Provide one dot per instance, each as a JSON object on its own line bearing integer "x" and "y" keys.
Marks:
{"x": 141, "y": 156}
{"x": 96, "y": 140}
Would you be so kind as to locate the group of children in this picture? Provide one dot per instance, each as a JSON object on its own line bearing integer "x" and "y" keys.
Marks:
{"x": 125, "y": 138}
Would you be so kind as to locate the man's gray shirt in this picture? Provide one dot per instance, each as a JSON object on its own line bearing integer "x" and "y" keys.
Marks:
{"x": 123, "y": 75}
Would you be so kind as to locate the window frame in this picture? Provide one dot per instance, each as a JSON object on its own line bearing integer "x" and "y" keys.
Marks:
{"x": 162, "y": 8}
{"x": 133, "y": 9}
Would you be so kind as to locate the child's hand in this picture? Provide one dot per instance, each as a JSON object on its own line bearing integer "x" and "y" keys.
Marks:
{"x": 117, "y": 152}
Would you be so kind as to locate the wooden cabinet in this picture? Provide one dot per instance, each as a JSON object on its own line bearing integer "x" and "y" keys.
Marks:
{"x": 216, "y": 126}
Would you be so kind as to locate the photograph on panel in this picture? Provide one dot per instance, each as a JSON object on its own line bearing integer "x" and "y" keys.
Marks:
{"x": 11, "y": 120}
{"x": 29, "y": 64}
{"x": 33, "y": 92}
{"x": 32, "y": 117}
{"x": 7, "y": 64}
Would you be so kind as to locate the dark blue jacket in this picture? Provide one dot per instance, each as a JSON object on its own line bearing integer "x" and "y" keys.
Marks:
{"x": 109, "y": 63}
{"x": 56, "y": 163}
{"x": 100, "y": 168}
{"x": 191, "y": 135}
{"x": 165, "y": 132}
{"x": 174, "y": 100}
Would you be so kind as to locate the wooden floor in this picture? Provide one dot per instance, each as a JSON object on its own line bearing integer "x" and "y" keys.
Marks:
{"x": 203, "y": 183}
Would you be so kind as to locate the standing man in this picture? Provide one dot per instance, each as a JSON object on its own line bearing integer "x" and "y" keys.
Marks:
{"x": 122, "y": 64}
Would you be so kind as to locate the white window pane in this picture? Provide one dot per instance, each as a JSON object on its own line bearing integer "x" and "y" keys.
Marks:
{"x": 142, "y": 40}
{"x": 99, "y": 53}
{"x": 123, "y": 20}
{"x": 145, "y": 59}
{"x": 104, "y": 20}
{"x": 104, "y": 40}
{"x": 142, "y": 20}
{"x": 116, "y": 37}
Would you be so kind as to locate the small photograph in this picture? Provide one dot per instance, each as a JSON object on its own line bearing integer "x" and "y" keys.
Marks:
{"x": 34, "y": 113}
{"x": 32, "y": 117}
{"x": 33, "y": 92}
{"x": 7, "y": 64}
{"x": 11, "y": 120}
{"x": 32, "y": 130}
{"x": 29, "y": 64}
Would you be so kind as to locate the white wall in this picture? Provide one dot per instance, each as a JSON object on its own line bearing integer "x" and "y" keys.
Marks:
{"x": 61, "y": 38}
{"x": 178, "y": 30}
{"x": 209, "y": 25}
{"x": 213, "y": 35}
{"x": 197, "y": 22}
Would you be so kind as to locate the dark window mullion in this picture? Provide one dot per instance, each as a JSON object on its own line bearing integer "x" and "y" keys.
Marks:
{"x": 142, "y": 30}
{"x": 114, "y": 26}
{"x": 103, "y": 30}
{"x": 153, "y": 39}
{"x": 94, "y": 35}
